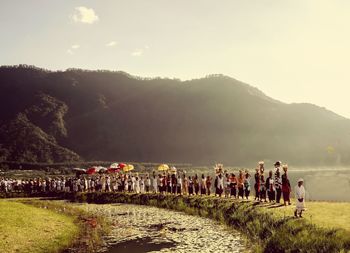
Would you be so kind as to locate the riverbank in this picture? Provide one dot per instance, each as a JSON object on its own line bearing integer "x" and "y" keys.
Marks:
{"x": 33, "y": 225}
{"x": 270, "y": 229}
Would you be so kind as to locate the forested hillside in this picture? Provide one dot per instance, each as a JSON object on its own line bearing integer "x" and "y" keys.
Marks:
{"x": 71, "y": 115}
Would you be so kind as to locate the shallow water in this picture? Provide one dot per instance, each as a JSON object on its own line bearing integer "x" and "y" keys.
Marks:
{"x": 328, "y": 185}
{"x": 140, "y": 229}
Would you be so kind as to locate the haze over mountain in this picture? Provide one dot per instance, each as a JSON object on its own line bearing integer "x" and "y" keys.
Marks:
{"x": 75, "y": 114}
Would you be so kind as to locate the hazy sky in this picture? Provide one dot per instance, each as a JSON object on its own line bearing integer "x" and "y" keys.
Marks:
{"x": 293, "y": 50}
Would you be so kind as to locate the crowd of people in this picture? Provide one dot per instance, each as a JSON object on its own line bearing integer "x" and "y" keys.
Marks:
{"x": 267, "y": 189}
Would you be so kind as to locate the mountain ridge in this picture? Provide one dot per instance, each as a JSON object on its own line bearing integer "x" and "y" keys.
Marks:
{"x": 112, "y": 115}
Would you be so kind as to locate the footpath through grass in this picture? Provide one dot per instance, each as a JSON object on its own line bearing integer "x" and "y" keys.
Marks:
{"x": 25, "y": 228}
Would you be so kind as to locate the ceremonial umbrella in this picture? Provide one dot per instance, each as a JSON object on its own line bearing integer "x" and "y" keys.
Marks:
{"x": 128, "y": 167}
{"x": 113, "y": 168}
{"x": 173, "y": 169}
{"x": 163, "y": 167}
{"x": 101, "y": 169}
{"x": 91, "y": 171}
{"x": 114, "y": 165}
{"x": 121, "y": 165}
{"x": 79, "y": 171}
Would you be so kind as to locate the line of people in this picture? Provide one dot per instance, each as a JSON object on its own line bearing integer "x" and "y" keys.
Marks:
{"x": 165, "y": 183}
{"x": 271, "y": 188}
{"x": 274, "y": 186}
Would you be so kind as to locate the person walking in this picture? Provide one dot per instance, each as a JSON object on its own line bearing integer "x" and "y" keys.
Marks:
{"x": 219, "y": 185}
{"x": 233, "y": 185}
{"x": 257, "y": 184}
{"x": 262, "y": 187}
{"x": 196, "y": 184}
{"x": 185, "y": 185}
{"x": 162, "y": 184}
{"x": 133, "y": 183}
{"x": 155, "y": 183}
{"x": 190, "y": 186}
{"x": 203, "y": 185}
{"x": 179, "y": 185}
{"x": 270, "y": 186}
{"x": 227, "y": 185}
{"x": 286, "y": 188}
{"x": 168, "y": 183}
{"x": 148, "y": 184}
{"x": 247, "y": 184}
{"x": 208, "y": 184}
{"x": 300, "y": 198}
{"x": 137, "y": 185}
{"x": 240, "y": 184}
{"x": 142, "y": 185}
{"x": 174, "y": 184}
{"x": 278, "y": 182}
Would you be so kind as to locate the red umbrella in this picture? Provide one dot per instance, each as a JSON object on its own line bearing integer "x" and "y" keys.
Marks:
{"x": 91, "y": 171}
{"x": 121, "y": 165}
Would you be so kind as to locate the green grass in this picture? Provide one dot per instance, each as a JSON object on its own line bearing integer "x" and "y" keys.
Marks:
{"x": 25, "y": 228}
{"x": 92, "y": 228}
{"x": 331, "y": 215}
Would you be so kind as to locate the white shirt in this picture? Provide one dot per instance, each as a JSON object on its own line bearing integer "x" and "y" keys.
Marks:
{"x": 299, "y": 192}
{"x": 220, "y": 182}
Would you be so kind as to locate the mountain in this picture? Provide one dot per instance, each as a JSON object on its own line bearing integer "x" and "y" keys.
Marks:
{"x": 103, "y": 115}
{"x": 26, "y": 142}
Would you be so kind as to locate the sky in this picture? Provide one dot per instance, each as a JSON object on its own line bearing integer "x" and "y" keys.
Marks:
{"x": 292, "y": 50}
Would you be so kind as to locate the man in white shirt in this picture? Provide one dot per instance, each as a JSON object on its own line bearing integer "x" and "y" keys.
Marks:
{"x": 300, "y": 198}
{"x": 155, "y": 184}
{"x": 133, "y": 183}
{"x": 219, "y": 185}
{"x": 137, "y": 185}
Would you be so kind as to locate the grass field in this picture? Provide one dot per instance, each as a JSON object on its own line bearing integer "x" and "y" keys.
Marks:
{"x": 331, "y": 215}
{"x": 24, "y": 228}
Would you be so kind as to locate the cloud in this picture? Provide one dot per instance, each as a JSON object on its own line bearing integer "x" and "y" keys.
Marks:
{"x": 75, "y": 46}
{"x": 137, "y": 52}
{"x": 72, "y": 49}
{"x": 111, "y": 44}
{"x": 84, "y": 15}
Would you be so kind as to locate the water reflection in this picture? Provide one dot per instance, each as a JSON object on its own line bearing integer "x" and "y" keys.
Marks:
{"x": 145, "y": 244}
{"x": 328, "y": 185}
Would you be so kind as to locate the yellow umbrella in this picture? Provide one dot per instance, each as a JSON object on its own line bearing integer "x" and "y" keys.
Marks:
{"x": 128, "y": 167}
{"x": 163, "y": 167}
